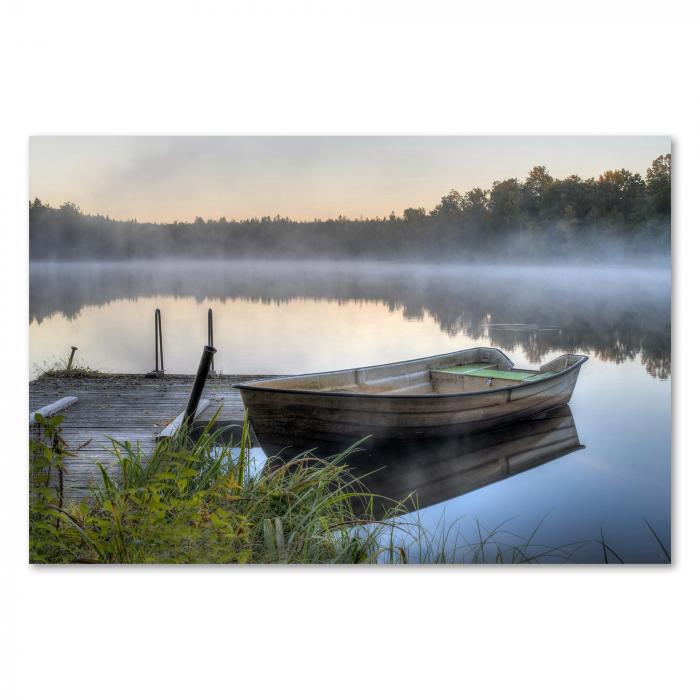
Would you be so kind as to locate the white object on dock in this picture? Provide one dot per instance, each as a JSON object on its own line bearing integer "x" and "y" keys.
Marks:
{"x": 52, "y": 408}
{"x": 170, "y": 429}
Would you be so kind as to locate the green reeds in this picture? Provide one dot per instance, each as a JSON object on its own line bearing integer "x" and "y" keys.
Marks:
{"x": 200, "y": 502}
{"x": 205, "y": 501}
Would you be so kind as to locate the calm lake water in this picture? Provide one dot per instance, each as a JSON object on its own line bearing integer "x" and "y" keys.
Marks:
{"x": 276, "y": 317}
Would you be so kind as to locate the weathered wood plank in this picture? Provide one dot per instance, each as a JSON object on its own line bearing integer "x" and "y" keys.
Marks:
{"x": 126, "y": 408}
{"x": 171, "y": 427}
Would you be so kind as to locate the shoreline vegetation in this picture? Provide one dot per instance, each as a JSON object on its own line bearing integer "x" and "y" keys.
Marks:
{"x": 618, "y": 216}
{"x": 209, "y": 503}
{"x": 68, "y": 370}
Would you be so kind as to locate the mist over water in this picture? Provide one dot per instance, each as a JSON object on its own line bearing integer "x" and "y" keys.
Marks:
{"x": 289, "y": 317}
{"x": 616, "y": 313}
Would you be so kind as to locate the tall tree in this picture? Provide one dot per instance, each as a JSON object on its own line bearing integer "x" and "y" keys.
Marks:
{"x": 621, "y": 196}
{"x": 505, "y": 205}
{"x": 534, "y": 190}
{"x": 658, "y": 186}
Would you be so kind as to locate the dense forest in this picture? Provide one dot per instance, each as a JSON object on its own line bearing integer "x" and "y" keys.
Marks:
{"x": 616, "y": 214}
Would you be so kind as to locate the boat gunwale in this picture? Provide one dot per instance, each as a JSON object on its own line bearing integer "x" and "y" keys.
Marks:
{"x": 358, "y": 394}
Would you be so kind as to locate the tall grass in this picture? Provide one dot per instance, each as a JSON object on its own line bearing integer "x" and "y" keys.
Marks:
{"x": 203, "y": 501}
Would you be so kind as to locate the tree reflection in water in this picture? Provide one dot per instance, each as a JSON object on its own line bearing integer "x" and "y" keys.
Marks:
{"x": 615, "y": 314}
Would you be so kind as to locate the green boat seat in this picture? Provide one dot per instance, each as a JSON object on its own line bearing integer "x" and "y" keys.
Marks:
{"x": 515, "y": 375}
{"x": 539, "y": 375}
{"x": 466, "y": 369}
{"x": 477, "y": 369}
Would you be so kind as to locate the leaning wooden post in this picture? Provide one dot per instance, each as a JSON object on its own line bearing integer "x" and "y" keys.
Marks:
{"x": 70, "y": 359}
{"x": 198, "y": 386}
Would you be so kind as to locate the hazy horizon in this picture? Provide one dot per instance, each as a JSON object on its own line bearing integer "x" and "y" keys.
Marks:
{"x": 161, "y": 179}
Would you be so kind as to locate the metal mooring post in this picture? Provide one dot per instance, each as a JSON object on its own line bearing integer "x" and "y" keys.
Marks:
{"x": 198, "y": 386}
{"x": 159, "y": 371}
{"x": 159, "y": 341}
{"x": 210, "y": 334}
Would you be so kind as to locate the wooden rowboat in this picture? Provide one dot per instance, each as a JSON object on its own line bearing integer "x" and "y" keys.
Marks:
{"x": 459, "y": 392}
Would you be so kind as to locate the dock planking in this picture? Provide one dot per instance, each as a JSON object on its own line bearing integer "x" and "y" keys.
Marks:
{"x": 125, "y": 407}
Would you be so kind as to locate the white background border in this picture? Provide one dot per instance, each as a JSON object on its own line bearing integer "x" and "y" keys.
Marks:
{"x": 348, "y": 67}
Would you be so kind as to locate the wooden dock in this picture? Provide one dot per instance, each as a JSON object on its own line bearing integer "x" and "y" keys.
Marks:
{"x": 125, "y": 407}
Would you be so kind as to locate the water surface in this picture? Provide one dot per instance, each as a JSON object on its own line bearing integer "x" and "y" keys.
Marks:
{"x": 282, "y": 317}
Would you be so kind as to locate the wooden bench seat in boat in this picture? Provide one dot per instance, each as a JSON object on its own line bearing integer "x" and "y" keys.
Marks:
{"x": 538, "y": 375}
{"x": 467, "y": 368}
{"x": 478, "y": 375}
{"x": 489, "y": 371}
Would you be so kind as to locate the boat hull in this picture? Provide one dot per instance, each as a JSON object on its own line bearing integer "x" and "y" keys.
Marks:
{"x": 313, "y": 418}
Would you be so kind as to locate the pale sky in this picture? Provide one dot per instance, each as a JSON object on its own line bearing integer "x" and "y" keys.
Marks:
{"x": 167, "y": 178}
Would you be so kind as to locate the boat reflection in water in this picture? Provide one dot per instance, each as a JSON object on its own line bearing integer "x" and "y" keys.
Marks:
{"x": 432, "y": 470}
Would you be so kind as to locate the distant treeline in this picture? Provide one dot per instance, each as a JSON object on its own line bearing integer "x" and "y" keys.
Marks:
{"x": 619, "y": 213}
